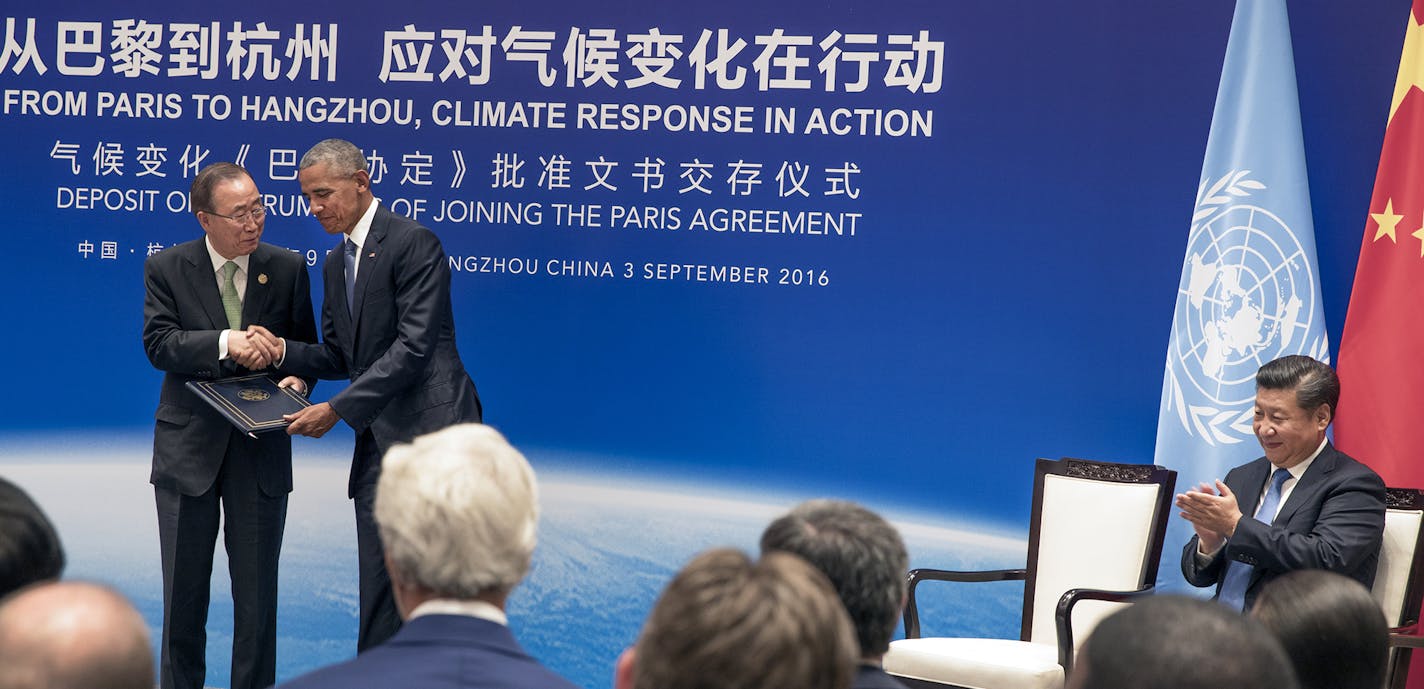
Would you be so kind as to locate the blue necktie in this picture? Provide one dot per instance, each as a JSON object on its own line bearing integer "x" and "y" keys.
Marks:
{"x": 1238, "y": 574}
{"x": 350, "y": 251}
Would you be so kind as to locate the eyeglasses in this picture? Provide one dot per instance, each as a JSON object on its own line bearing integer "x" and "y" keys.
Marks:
{"x": 242, "y": 217}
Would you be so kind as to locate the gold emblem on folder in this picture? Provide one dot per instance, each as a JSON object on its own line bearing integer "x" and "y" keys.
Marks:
{"x": 254, "y": 394}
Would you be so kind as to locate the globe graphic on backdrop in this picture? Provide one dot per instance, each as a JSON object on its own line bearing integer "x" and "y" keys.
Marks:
{"x": 1248, "y": 288}
{"x": 607, "y": 547}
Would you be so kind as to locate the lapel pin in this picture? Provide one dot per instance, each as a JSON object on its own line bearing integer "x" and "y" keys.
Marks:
{"x": 261, "y": 278}
{"x": 371, "y": 255}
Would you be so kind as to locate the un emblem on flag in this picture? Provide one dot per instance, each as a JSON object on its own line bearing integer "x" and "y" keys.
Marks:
{"x": 1247, "y": 296}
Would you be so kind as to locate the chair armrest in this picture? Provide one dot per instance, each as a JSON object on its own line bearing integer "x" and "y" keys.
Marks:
{"x": 912, "y": 612}
{"x": 1406, "y": 637}
{"x": 1063, "y": 617}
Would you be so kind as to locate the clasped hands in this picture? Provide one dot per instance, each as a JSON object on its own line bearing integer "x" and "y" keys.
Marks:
{"x": 1212, "y": 511}
{"x": 255, "y": 348}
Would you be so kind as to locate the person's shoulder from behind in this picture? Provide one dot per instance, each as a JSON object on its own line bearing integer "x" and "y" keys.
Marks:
{"x": 507, "y": 665}
{"x": 539, "y": 677}
{"x": 871, "y": 677}
{"x": 378, "y": 668}
{"x": 345, "y": 675}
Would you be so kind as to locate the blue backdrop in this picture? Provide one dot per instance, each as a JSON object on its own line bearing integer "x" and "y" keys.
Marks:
{"x": 980, "y": 239}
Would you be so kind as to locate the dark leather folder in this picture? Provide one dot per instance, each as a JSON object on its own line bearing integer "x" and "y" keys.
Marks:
{"x": 253, "y": 403}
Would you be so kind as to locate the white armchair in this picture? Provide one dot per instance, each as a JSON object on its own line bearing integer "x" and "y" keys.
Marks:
{"x": 1095, "y": 525}
{"x": 1396, "y": 585}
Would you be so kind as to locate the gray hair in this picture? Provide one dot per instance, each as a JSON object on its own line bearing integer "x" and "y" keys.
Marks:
{"x": 1315, "y": 383}
{"x": 458, "y": 511}
{"x": 341, "y": 157}
{"x": 862, "y": 555}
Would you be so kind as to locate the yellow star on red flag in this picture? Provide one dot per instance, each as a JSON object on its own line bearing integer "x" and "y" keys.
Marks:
{"x": 1387, "y": 222}
{"x": 1411, "y": 64}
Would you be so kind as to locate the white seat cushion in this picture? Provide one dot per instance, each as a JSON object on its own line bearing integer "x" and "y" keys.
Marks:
{"x": 977, "y": 663}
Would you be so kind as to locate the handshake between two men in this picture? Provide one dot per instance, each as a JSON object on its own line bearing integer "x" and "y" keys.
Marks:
{"x": 256, "y": 348}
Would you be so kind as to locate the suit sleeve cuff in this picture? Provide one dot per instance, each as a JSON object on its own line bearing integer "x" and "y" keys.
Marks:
{"x": 1204, "y": 559}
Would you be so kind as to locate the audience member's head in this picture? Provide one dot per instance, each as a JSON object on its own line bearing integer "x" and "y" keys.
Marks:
{"x": 1331, "y": 627}
{"x": 726, "y": 622}
{"x": 73, "y": 635}
{"x": 29, "y": 547}
{"x": 1176, "y": 642}
{"x": 860, "y": 553}
{"x": 458, "y": 512}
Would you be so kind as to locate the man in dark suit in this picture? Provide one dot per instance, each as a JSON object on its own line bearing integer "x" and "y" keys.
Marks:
{"x": 458, "y": 513}
{"x": 387, "y": 325}
{"x": 864, "y": 558}
{"x": 1305, "y": 505}
{"x": 200, "y": 296}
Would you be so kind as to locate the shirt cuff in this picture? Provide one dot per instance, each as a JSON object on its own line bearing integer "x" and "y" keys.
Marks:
{"x": 222, "y": 344}
{"x": 283, "y": 358}
{"x": 1204, "y": 559}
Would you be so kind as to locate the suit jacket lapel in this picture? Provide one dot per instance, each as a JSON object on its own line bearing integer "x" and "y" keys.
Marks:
{"x": 198, "y": 270}
{"x": 1308, "y": 485}
{"x": 334, "y": 298}
{"x": 1248, "y": 491}
{"x": 254, "y": 302}
{"x": 371, "y": 254}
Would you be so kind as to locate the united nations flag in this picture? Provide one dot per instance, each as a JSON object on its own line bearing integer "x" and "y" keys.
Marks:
{"x": 1250, "y": 289}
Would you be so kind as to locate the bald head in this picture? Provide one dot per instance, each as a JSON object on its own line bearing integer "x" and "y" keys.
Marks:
{"x": 73, "y": 635}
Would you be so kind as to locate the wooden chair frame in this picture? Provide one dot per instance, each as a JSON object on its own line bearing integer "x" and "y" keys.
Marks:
{"x": 1406, "y": 637}
{"x": 1072, "y": 467}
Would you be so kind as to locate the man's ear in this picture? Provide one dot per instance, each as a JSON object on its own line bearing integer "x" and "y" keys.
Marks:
{"x": 397, "y": 586}
{"x": 623, "y": 670}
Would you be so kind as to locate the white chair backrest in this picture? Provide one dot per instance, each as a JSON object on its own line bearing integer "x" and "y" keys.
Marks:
{"x": 1092, "y": 534}
{"x": 1401, "y": 533}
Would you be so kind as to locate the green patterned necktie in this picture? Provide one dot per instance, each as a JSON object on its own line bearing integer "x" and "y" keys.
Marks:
{"x": 231, "y": 304}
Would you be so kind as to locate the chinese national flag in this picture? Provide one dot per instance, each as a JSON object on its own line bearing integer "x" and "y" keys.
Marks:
{"x": 1381, "y": 416}
{"x": 1381, "y": 364}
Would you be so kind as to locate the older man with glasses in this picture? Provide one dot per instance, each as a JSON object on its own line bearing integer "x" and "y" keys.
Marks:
{"x": 201, "y": 299}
